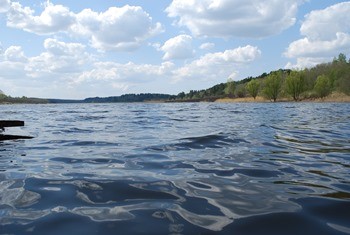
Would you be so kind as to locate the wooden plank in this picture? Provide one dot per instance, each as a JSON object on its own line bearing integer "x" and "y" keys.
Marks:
{"x": 14, "y": 137}
{"x": 10, "y": 123}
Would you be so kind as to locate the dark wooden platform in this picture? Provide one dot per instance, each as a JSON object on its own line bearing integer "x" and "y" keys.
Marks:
{"x": 11, "y": 123}
{"x": 14, "y": 137}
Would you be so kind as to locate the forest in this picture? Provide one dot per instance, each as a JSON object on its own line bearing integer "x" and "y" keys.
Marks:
{"x": 143, "y": 97}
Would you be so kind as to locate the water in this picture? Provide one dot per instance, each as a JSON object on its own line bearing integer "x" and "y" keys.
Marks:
{"x": 202, "y": 168}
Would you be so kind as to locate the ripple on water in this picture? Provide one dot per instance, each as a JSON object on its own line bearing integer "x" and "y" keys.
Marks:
{"x": 177, "y": 169}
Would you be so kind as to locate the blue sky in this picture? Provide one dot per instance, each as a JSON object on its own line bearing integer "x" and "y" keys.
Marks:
{"x": 79, "y": 49}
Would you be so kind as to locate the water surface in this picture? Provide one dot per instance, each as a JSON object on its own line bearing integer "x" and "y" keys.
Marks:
{"x": 201, "y": 168}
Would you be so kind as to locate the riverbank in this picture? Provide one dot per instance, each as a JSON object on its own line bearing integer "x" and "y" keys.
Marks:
{"x": 334, "y": 97}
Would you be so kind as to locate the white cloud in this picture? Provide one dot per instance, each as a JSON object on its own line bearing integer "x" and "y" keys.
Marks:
{"x": 207, "y": 46}
{"x": 58, "y": 61}
{"x": 117, "y": 28}
{"x": 59, "y": 58}
{"x": 325, "y": 24}
{"x": 239, "y": 18}
{"x": 214, "y": 66}
{"x": 327, "y": 33}
{"x": 11, "y": 70}
{"x": 306, "y": 47}
{"x": 111, "y": 78}
{"x": 69, "y": 69}
{"x": 15, "y": 54}
{"x": 239, "y": 55}
{"x": 53, "y": 69}
{"x": 123, "y": 28}
{"x": 306, "y": 62}
{"x": 54, "y": 18}
{"x": 179, "y": 47}
{"x": 4, "y": 5}
{"x": 12, "y": 63}
{"x": 129, "y": 72}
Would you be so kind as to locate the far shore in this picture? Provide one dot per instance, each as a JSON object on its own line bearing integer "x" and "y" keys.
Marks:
{"x": 335, "y": 97}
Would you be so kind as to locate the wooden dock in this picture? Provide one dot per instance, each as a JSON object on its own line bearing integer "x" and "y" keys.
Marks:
{"x": 11, "y": 123}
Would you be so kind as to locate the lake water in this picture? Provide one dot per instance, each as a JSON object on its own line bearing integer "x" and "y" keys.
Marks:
{"x": 193, "y": 168}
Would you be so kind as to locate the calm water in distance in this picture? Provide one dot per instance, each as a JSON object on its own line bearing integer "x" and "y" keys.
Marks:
{"x": 196, "y": 168}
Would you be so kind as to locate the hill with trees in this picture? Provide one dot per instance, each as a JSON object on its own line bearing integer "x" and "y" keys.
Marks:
{"x": 312, "y": 83}
{"x": 4, "y": 99}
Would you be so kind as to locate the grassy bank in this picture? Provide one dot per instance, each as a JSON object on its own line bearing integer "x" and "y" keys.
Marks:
{"x": 334, "y": 97}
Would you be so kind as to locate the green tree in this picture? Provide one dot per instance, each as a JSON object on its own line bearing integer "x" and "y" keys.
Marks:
{"x": 273, "y": 84}
{"x": 181, "y": 95}
{"x": 341, "y": 59}
{"x": 295, "y": 84}
{"x": 323, "y": 86}
{"x": 343, "y": 84}
{"x": 2, "y": 95}
{"x": 240, "y": 91}
{"x": 253, "y": 88}
{"x": 230, "y": 87}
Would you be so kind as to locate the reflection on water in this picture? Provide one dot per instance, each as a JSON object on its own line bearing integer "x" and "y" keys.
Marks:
{"x": 177, "y": 169}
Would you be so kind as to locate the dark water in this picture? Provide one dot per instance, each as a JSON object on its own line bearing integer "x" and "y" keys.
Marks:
{"x": 177, "y": 169}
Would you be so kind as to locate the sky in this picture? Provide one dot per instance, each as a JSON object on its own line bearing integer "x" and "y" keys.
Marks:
{"x": 79, "y": 49}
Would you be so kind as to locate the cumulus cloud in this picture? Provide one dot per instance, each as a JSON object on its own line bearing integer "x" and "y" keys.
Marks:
{"x": 239, "y": 18}
{"x": 12, "y": 63}
{"x": 69, "y": 67}
{"x": 327, "y": 33}
{"x": 179, "y": 47}
{"x": 15, "y": 54}
{"x": 58, "y": 60}
{"x": 207, "y": 46}
{"x": 213, "y": 66}
{"x": 117, "y": 28}
{"x": 59, "y": 57}
{"x": 306, "y": 62}
{"x": 325, "y": 24}
{"x": 54, "y": 18}
{"x": 319, "y": 48}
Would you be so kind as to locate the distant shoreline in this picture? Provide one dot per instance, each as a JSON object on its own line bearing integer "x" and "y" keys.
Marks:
{"x": 335, "y": 97}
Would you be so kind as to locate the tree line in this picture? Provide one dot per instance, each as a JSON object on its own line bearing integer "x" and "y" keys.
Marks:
{"x": 4, "y": 99}
{"x": 143, "y": 97}
{"x": 317, "y": 82}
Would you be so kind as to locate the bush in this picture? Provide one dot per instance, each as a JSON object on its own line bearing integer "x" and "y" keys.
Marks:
{"x": 323, "y": 86}
{"x": 253, "y": 88}
{"x": 273, "y": 85}
{"x": 295, "y": 85}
